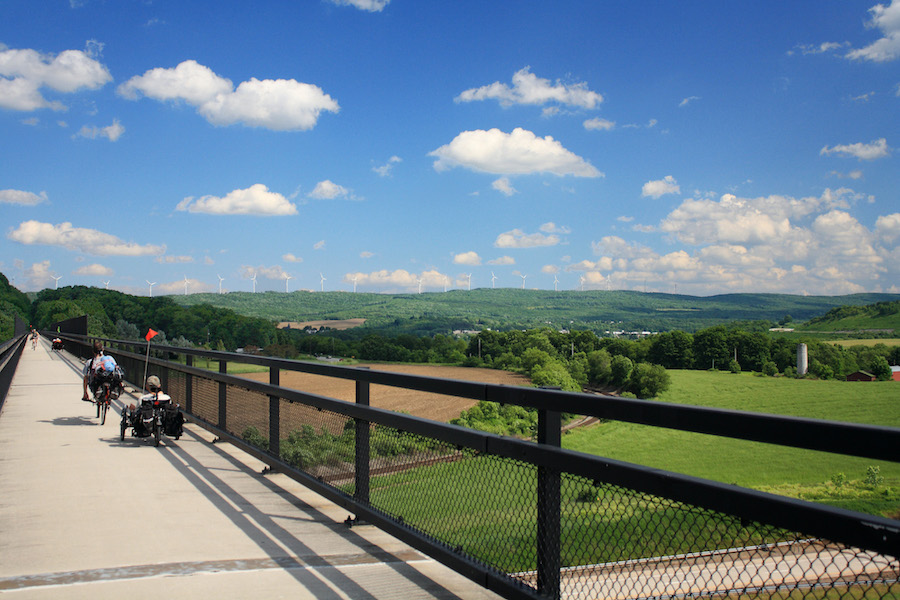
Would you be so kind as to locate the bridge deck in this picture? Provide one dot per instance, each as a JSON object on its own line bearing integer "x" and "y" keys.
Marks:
{"x": 85, "y": 515}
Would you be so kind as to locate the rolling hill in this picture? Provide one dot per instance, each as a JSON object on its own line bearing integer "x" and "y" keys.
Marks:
{"x": 598, "y": 311}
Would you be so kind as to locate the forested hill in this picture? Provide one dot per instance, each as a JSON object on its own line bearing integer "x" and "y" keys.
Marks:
{"x": 598, "y": 311}
{"x": 12, "y": 303}
{"x": 879, "y": 316}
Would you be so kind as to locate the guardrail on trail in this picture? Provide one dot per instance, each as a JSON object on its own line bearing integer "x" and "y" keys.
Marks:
{"x": 10, "y": 351}
{"x": 528, "y": 519}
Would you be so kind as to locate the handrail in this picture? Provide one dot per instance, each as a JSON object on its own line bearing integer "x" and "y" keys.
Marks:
{"x": 852, "y": 439}
{"x": 10, "y": 351}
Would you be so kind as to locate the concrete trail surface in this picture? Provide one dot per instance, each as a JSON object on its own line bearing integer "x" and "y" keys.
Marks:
{"x": 85, "y": 515}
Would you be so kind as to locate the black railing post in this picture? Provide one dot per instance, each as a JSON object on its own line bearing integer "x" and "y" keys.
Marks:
{"x": 274, "y": 413}
{"x": 189, "y": 385}
{"x": 223, "y": 394}
{"x": 361, "y": 479}
{"x": 548, "y": 517}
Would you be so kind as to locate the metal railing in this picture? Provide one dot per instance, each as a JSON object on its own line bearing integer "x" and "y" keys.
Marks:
{"x": 10, "y": 351}
{"x": 529, "y": 519}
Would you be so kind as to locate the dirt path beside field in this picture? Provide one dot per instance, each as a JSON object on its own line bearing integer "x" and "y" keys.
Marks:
{"x": 436, "y": 407}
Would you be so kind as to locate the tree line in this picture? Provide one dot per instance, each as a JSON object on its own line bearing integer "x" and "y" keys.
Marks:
{"x": 570, "y": 360}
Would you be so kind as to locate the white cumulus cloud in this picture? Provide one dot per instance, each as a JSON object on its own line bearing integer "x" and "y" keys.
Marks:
{"x": 88, "y": 241}
{"x": 516, "y": 153}
{"x": 504, "y": 186}
{"x": 255, "y": 200}
{"x": 871, "y": 151}
{"x": 22, "y": 197}
{"x": 661, "y": 187}
{"x": 328, "y": 190}
{"x": 887, "y": 20}
{"x": 399, "y": 280}
{"x": 519, "y": 239}
{"x": 96, "y": 270}
{"x": 386, "y": 169}
{"x": 25, "y": 72}
{"x": 367, "y": 5}
{"x": 598, "y": 124}
{"x": 280, "y": 104}
{"x": 888, "y": 227}
{"x": 111, "y": 132}
{"x": 528, "y": 88}
{"x": 467, "y": 258}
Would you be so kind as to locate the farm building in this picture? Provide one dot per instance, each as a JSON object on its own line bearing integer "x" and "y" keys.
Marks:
{"x": 860, "y": 376}
{"x": 895, "y": 373}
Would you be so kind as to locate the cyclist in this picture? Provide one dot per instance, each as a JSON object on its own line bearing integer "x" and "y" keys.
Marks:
{"x": 90, "y": 370}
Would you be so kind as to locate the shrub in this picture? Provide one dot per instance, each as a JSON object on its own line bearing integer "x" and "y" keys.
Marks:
{"x": 770, "y": 369}
{"x": 873, "y": 476}
{"x": 252, "y": 436}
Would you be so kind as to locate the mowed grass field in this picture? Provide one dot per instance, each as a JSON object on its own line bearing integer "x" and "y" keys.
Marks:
{"x": 794, "y": 472}
{"x": 874, "y": 342}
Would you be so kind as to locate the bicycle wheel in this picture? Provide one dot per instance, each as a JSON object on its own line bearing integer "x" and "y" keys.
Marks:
{"x": 98, "y": 402}
{"x": 123, "y": 425}
{"x": 157, "y": 430}
{"x": 104, "y": 406}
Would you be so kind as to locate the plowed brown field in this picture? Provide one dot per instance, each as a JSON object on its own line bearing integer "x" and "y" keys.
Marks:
{"x": 436, "y": 407}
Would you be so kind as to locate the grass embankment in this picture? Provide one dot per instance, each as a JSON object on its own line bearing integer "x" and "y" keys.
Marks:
{"x": 820, "y": 476}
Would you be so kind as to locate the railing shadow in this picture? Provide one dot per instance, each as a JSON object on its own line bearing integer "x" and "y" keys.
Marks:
{"x": 262, "y": 528}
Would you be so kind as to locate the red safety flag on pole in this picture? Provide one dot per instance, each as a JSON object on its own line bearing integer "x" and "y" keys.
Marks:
{"x": 150, "y": 334}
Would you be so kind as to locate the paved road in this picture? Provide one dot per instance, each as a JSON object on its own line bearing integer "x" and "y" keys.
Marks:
{"x": 85, "y": 515}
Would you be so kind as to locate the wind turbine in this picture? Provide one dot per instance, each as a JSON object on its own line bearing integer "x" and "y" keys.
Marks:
{"x": 286, "y": 279}
{"x": 581, "y": 278}
{"x": 419, "y": 281}
{"x": 555, "y": 283}
{"x": 221, "y": 279}
{"x": 469, "y": 277}
{"x": 185, "y": 285}
{"x": 355, "y": 277}
{"x": 493, "y": 279}
{"x": 56, "y": 285}
{"x": 106, "y": 283}
{"x": 323, "y": 281}
{"x": 151, "y": 287}
{"x": 523, "y": 280}
{"x": 607, "y": 282}
{"x": 446, "y": 281}
{"x": 253, "y": 279}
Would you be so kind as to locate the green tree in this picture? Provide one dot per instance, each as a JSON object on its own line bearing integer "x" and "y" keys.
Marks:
{"x": 599, "y": 367}
{"x": 620, "y": 370}
{"x": 554, "y": 374}
{"x": 711, "y": 348}
{"x": 881, "y": 369}
{"x": 648, "y": 380}
{"x": 672, "y": 350}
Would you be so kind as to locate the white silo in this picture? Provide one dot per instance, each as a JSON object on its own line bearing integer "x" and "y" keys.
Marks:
{"x": 802, "y": 359}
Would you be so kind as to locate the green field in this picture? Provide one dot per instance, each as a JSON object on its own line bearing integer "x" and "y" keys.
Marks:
{"x": 801, "y": 473}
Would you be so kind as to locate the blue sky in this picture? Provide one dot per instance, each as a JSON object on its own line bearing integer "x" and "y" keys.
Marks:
{"x": 404, "y": 146}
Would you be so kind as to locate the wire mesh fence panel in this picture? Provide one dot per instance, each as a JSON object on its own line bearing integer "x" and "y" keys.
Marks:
{"x": 482, "y": 505}
{"x": 177, "y": 388}
{"x": 247, "y": 410}
{"x": 206, "y": 399}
